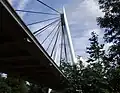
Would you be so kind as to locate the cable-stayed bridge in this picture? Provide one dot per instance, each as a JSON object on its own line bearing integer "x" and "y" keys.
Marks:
{"x": 35, "y": 50}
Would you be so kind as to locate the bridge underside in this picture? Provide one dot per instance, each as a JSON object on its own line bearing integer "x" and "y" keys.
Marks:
{"x": 22, "y": 55}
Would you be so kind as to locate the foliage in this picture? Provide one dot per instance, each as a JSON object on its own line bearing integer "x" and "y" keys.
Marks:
{"x": 34, "y": 88}
{"x": 17, "y": 85}
{"x": 73, "y": 73}
{"x": 4, "y": 88}
{"x": 100, "y": 75}
{"x": 12, "y": 85}
{"x": 111, "y": 23}
{"x": 90, "y": 79}
{"x": 95, "y": 50}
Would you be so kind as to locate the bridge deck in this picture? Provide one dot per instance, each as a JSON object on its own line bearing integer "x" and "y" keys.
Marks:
{"x": 22, "y": 55}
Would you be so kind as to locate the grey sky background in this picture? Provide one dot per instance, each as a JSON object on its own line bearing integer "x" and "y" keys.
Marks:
{"x": 81, "y": 16}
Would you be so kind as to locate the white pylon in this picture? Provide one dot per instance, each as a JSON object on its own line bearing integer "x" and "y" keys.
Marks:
{"x": 69, "y": 38}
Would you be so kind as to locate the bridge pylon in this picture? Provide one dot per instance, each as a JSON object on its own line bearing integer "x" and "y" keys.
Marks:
{"x": 64, "y": 23}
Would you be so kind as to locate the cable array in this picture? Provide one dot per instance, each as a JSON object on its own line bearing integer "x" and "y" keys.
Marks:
{"x": 54, "y": 32}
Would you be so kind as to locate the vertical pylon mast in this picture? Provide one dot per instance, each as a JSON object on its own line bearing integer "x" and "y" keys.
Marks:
{"x": 67, "y": 29}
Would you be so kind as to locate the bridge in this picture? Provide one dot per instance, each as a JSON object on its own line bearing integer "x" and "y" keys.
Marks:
{"x": 24, "y": 54}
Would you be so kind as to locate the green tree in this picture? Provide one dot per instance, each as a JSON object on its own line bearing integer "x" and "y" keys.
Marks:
{"x": 4, "y": 88}
{"x": 73, "y": 73}
{"x": 34, "y": 88}
{"x": 12, "y": 85}
{"x": 90, "y": 79}
{"x": 111, "y": 23}
{"x": 17, "y": 84}
{"x": 97, "y": 59}
{"x": 94, "y": 73}
{"x": 95, "y": 50}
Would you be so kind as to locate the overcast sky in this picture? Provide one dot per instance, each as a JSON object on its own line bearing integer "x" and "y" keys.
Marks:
{"x": 81, "y": 16}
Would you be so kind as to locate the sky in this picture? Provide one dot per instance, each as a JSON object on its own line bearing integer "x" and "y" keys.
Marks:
{"x": 81, "y": 15}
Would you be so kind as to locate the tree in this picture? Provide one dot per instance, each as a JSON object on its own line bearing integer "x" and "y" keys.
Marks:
{"x": 95, "y": 71}
{"x": 12, "y": 85}
{"x": 95, "y": 50}
{"x": 34, "y": 88}
{"x": 90, "y": 79}
{"x": 4, "y": 88}
{"x": 97, "y": 57}
{"x": 111, "y": 23}
{"x": 73, "y": 73}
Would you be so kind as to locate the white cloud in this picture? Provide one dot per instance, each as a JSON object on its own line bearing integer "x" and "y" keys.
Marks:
{"x": 82, "y": 20}
{"x": 21, "y": 6}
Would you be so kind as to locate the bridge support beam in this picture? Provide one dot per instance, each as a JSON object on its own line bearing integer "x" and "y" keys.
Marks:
{"x": 69, "y": 37}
